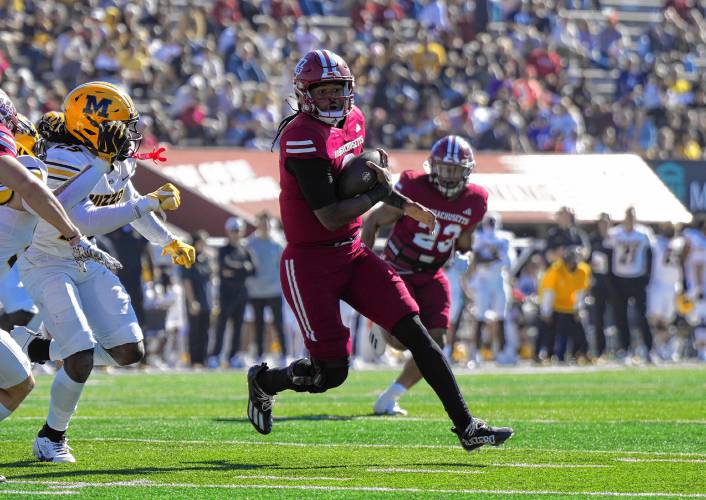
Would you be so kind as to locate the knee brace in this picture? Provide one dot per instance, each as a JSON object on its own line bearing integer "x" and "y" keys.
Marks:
{"x": 316, "y": 376}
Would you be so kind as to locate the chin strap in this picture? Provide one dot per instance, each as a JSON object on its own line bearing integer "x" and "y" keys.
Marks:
{"x": 154, "y": 155}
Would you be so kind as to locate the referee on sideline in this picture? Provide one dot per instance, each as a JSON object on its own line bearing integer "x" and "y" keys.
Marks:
{"x": 631, "y": 268}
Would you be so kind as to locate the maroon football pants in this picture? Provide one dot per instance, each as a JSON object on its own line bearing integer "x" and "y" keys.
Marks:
{"x": 315, "y": 279}
{"x": 432, "y": 293}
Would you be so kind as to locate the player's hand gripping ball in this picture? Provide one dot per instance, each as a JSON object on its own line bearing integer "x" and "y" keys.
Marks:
{"x": 357, "y": 177}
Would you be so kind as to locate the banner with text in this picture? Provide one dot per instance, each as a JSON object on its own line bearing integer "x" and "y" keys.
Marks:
{"x": 523, "y": 188}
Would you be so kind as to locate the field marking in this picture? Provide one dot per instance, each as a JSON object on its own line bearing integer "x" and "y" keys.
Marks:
{"x": 43, "y": 493}
{"x": 384, "y": 489}
{"x": 380, "y": 445}
{"x": 669, "y": 460}
{"x": 423, "y": 471}
{"x": 553, "y": 466}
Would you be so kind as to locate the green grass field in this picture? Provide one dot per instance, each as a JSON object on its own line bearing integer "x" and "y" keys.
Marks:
{"x": 623, "y": 432}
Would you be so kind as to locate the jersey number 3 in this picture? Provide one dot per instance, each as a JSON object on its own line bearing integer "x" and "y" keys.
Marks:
{"x": 428, "y": 240}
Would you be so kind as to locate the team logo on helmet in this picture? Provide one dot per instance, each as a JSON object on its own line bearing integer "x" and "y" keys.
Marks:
{"x": 90, "y": 104}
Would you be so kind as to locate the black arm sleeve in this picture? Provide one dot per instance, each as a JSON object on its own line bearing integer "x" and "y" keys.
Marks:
{"x": 315, "y": 179}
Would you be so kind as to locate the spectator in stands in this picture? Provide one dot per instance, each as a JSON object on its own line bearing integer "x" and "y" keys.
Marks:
{"x": 235, "y": 264}
{"x": 197, "y": 294}
{"x": 264, "y": 288}
{"x": 425, "y": 59}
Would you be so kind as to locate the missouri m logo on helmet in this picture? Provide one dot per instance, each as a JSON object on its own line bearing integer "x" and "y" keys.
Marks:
{"x": 90, "y": 104}
{"x": 96, "y": 107}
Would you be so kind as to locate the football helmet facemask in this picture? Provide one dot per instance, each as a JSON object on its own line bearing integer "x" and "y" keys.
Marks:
{"x": 450, "y": 165}
{"x": 92, "y": 103}
{"x": 318, "y": 67}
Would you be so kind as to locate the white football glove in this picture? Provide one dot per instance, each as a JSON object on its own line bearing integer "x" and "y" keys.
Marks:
{"x": 84, "y": 251}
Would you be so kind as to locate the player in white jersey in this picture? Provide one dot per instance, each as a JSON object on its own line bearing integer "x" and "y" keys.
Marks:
{"x": 489, "y": 281}
{"x": 665, "y": 284}
{"x": 694, "y": 260}
{"x": 22, "y": 196}
{"x": 631, "y": 270}
{"x": 89, "y": 315}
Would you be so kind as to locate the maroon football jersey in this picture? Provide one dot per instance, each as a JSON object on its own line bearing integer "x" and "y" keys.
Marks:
{"x": 410, "y": 246}
{"x": 306, "y": 137}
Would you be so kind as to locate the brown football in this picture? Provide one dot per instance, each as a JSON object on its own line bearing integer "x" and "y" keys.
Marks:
{"x": 356, "y": 177}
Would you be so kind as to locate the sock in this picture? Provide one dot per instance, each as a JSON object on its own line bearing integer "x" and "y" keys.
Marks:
{"x": 394, "y": 392}
{"x": 4, "y": 412}
{"x": 38, "y": 350}
{"x": 52, "y": 434}
{"x": 274, "y": 380}
{"x": 101, "y": 357}
{"x": 434, "y": 368}
{"x": 65, "y": 394}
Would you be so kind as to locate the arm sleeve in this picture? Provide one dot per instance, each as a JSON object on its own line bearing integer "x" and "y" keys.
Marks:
{"x": 81, "y": 185}
{"x": 92, "y": 220}
{"x": 315, "y": 179}
{"x": 148, "y": 225}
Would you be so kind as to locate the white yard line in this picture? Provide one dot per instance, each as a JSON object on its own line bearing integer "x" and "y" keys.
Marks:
{"x": 669, "y": 460}
{"x": 258, "y": 486}
{"x": 43, "y": 493}
{"x": 552, "y": 466}
{"x": 395, "y": 470}
{"x": 381, "y": 445}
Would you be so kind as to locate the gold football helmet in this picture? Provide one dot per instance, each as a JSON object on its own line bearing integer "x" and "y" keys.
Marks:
{"x": 26, "y": 137}
{"x": 92, "y": 103}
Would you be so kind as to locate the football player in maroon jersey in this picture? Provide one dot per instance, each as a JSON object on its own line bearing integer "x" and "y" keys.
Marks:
{"x": 418, "y": 256}
{"x": 325, "y": 262}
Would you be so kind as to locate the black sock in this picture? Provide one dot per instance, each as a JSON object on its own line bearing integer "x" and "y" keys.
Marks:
{"x": 50, "y": 433}
{"x": 274, "y": 380}
{"x": 434, "y": 368}
{"x": 38, "y": 350}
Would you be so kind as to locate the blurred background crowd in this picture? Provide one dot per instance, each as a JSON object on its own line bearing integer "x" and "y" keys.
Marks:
{"x": 512, "y": 75}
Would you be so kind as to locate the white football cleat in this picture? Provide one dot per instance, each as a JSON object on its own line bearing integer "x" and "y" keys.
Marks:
{"x": 390, "y": 407}
{"x": 376, "y": 337}
{"x": 47, "y": 450}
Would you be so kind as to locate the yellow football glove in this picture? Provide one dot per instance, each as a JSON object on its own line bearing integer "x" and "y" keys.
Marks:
{"x": 181, "y": 253}
{"x": 167, "y": 196}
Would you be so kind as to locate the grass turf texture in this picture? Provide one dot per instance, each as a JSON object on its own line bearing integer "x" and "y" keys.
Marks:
{"x": 185, "y": 435}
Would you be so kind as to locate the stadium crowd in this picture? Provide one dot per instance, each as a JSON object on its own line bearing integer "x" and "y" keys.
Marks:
{"x": 532, "y": 75}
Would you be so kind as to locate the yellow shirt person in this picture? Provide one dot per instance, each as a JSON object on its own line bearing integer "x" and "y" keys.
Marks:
{"x": 566, "y": 286}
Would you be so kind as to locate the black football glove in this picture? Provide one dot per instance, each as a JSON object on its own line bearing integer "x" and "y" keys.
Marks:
{"x": 113, "y": 141}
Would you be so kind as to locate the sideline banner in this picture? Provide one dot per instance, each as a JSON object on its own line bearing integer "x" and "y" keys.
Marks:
{"x": 523, "y": 188}
{"x": 686, "y": 179}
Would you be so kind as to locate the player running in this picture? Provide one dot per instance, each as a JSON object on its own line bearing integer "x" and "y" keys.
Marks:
{"x": 325, "y": 261}
{"x": 418, "y": 256}
{"x": 89, "y": 315}
{"x": 24, "y": 197}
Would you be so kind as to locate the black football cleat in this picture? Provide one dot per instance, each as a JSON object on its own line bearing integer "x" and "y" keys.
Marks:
{"x": 259, "y": 402}
{"x": 478, "y": 434}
